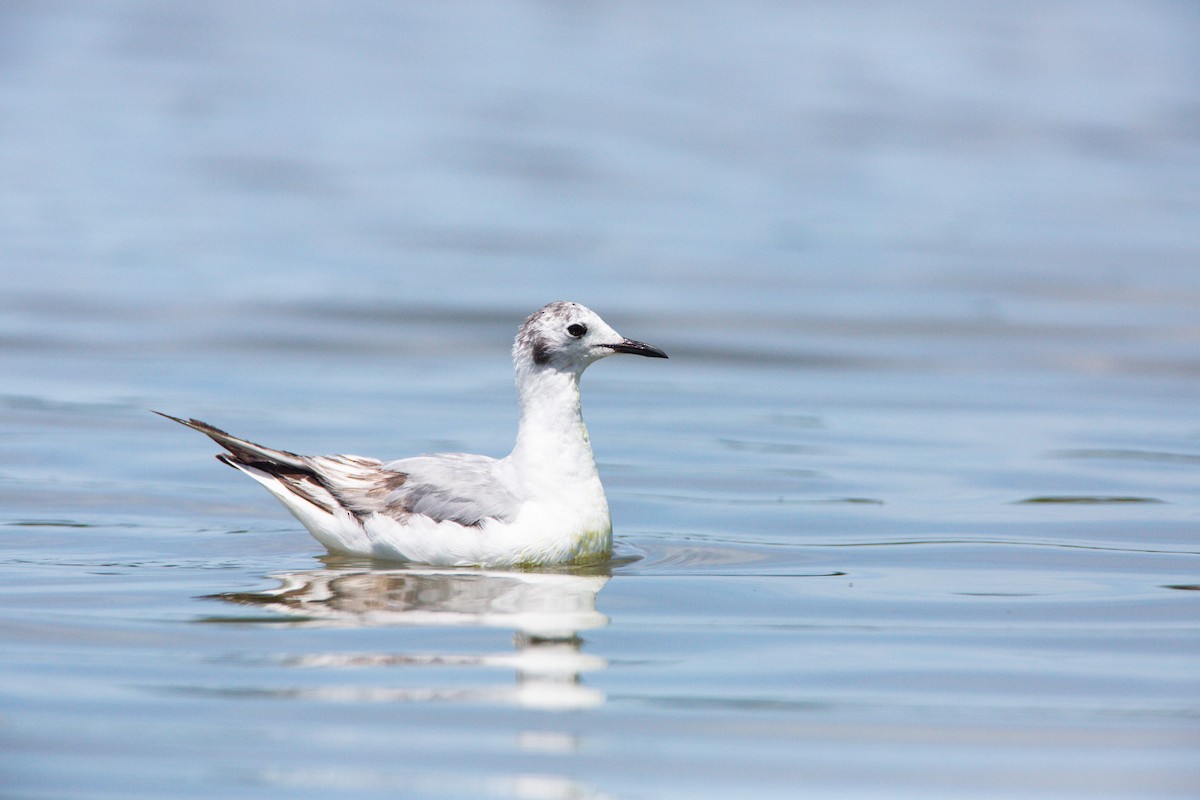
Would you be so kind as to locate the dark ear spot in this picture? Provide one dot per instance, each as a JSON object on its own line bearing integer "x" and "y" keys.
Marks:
{"x": 541, "y": 352}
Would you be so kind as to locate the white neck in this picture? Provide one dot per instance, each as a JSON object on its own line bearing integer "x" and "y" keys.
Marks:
{"x": 552, "y": 453}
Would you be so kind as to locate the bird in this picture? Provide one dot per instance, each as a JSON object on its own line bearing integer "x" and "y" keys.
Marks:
{"x": 542, "y": 504}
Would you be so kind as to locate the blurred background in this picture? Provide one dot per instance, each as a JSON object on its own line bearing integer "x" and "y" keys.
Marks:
{"x": 928, "y": 274}
{"x": 671, "y": 158}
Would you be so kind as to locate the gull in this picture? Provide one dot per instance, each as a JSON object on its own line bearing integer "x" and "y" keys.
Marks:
{"x": 542, "y": 504}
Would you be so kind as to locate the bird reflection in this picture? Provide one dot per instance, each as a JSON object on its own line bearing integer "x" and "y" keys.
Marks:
{"x": 546, "y": 610}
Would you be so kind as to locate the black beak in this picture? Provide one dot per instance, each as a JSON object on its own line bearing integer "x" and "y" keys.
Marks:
{"x": 636, "y": 348}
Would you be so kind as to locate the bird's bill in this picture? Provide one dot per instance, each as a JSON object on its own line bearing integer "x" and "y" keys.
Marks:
{"x": 636, "y": 348}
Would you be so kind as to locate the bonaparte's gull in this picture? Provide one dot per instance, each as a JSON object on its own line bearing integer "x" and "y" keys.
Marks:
{"x": 541, "y": 504}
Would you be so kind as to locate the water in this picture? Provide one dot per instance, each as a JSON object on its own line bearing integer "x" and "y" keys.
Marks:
{"x": 910, "y": 512}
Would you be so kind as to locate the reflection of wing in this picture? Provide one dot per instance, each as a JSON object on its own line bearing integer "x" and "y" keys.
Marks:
{"x": 547, "y": 610}
{"x": 544, "y": 605}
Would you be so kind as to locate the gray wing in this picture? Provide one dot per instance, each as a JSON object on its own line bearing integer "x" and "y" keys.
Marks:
{"x": 449, "y": 486}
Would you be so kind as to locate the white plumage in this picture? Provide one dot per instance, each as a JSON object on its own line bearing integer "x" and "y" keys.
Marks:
{"x": 541, "y": 504}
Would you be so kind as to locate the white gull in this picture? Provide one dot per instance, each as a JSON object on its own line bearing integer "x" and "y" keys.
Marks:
{"x": 541, "y": 504}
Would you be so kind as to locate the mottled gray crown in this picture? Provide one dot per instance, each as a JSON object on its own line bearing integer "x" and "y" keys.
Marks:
{"x": 545, "y": 330}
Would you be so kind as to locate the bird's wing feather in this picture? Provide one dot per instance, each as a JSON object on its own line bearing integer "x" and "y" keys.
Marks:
{"x": 461, "y": 487}
{"x": 454, "y": 487}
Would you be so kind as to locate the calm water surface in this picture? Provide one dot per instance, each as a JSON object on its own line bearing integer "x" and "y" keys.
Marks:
{"x": 912, "y": 510}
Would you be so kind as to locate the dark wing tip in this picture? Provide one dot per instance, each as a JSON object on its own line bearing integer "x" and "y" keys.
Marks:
{"x": 191, "y": 423}
{"x": 229, "y": 460}
{"x": 198, "y": 425}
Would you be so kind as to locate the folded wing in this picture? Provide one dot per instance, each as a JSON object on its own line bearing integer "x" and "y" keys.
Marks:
{"x": 454, "y": 487}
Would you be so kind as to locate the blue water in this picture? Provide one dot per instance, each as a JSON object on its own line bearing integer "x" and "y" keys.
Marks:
{"x": 912, "y": 510}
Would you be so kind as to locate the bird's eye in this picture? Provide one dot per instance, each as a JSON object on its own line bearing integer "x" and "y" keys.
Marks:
{"x": 577, "y": 330}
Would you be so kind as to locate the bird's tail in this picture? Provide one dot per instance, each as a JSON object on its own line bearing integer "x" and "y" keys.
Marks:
{"x": 242, "y": 452}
